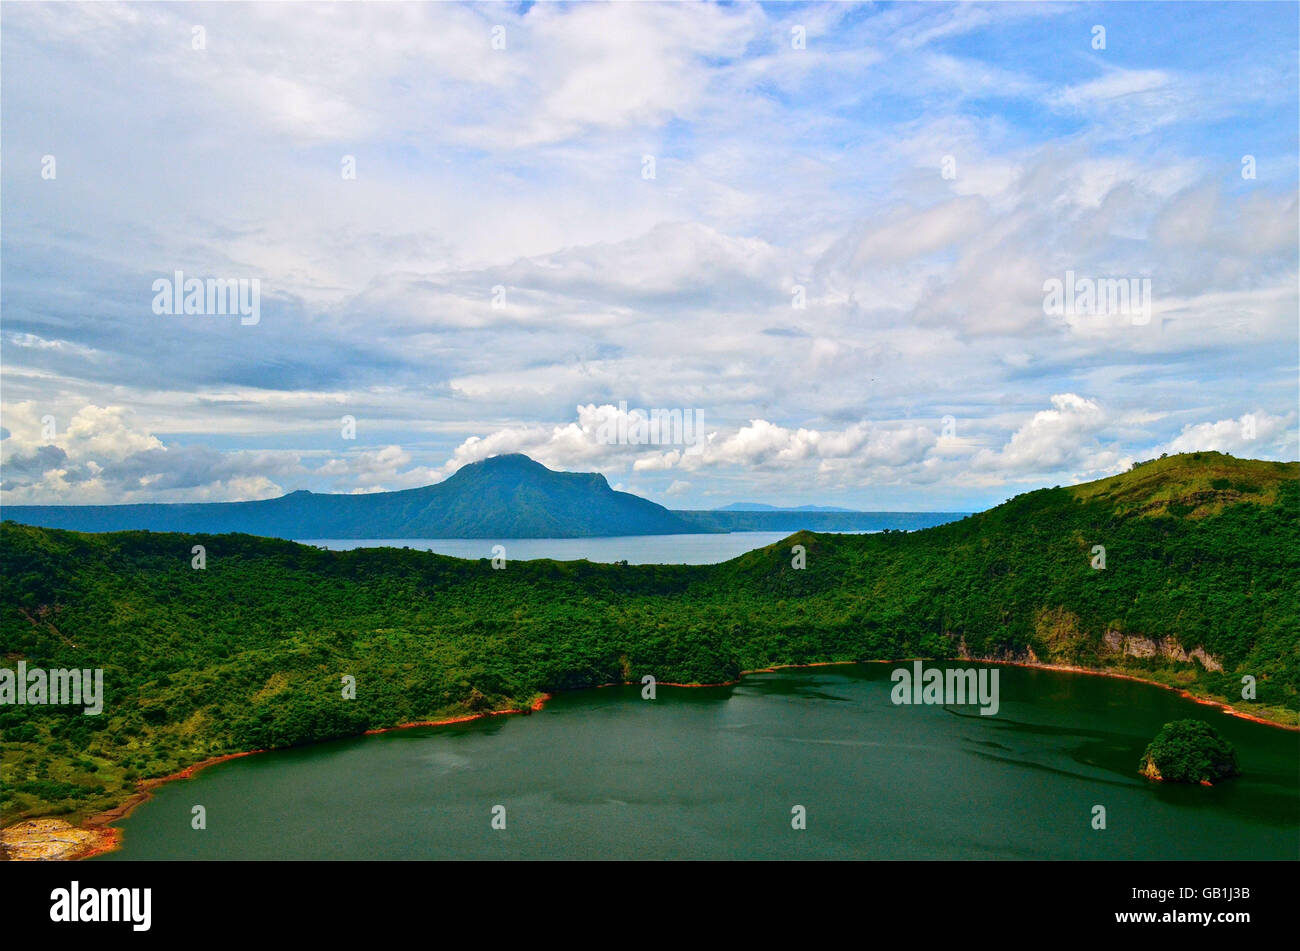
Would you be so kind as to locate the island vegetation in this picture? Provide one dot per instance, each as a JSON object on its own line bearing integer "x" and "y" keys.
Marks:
{"x": 1189, "y": 751}
{"x": 1198, "y": 590}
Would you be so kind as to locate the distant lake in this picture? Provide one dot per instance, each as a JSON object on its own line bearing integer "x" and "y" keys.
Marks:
{"x": 714, "y": 773}
{"x": 701, "y": 549}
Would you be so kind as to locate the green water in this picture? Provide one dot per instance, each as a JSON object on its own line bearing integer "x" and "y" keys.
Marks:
{"x": 715, "y": 772}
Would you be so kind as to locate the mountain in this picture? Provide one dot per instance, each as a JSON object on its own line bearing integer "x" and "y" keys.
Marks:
{"x": 508, "y": 496}
{"x": 1200, "y": 588}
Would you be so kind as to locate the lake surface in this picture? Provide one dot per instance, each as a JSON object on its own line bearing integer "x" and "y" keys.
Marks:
{"x": 715, "y": 772}
{"x": 697, "y": 549}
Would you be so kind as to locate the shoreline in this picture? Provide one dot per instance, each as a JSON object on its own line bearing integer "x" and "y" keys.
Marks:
{"x": 533, "y": 707}
{"x": 144, "y": 792}
{"x": 1226, "y": 708}
{"x": 109, "y": 839}
{"x": 1186, "y": 694}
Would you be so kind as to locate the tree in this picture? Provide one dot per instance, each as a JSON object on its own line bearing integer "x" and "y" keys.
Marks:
{"x": 1189, "y": 751}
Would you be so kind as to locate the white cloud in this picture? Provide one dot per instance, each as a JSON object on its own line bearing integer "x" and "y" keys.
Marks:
{"x": 1248, "y": 435}
{"x": 1052, "y": 440}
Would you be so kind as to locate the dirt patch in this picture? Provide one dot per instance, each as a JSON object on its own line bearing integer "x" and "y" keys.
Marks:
{"x": 44, "y": 840}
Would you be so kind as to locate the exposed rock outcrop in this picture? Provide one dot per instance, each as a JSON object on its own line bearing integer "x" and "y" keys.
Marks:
{"x": 1136, "y": 646}
{"x": 54, "y": 839}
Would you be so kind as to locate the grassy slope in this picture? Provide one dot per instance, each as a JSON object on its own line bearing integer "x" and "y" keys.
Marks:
{"x": 249, "y": 652}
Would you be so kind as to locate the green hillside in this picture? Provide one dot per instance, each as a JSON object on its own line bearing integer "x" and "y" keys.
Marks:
{"x": 1201, "y": 554}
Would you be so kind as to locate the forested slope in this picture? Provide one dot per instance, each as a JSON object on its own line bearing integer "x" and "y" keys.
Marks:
{"x": 1201, "y": 552}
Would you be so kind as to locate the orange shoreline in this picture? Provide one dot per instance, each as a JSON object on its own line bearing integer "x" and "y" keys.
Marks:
{"x": 1058, "y": 668}
{"x": 1186, "y": 694}
{"x": 111, "y": 839}
{"x": 531, "y": 708}
{"x": 144, "y": 792}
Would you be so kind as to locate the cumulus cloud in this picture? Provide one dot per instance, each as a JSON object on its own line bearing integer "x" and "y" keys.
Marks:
{"x": 104, "y": 456}
{"x": 1248, "y": 435}
{"x": 1051, "y": 439}
{"x": 614, "y": 437}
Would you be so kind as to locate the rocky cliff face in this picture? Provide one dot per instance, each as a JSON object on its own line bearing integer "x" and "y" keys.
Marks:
{"x": 1166, "y": 647}
{"x": 1064, "y": 643}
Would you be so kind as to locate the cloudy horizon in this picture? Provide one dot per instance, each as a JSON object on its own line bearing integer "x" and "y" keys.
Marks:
{"x": 830, "y": 230}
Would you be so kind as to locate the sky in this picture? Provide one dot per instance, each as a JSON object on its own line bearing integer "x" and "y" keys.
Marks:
{"x": 827, "y": 233}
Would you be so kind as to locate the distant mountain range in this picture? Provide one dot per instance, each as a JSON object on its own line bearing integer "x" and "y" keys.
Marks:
{"x": 764, "y": 507}
{"x": 509, "y": 496}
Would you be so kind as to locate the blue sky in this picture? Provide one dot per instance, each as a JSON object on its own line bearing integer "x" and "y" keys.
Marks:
{"x": 919, "y": 171}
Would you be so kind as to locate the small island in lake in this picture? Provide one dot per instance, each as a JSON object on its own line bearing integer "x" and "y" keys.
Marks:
{"x": 1189, "y": 751}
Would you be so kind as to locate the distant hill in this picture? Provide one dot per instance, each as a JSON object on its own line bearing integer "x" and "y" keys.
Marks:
{"x": 764, "y": 507}
{"x": 802, "y": 520}
{"x": 508, "y": 496}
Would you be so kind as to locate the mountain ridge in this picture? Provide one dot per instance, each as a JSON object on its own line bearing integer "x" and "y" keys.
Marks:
{"x": 503, "y": 496}
{"x": 764, "y": 507}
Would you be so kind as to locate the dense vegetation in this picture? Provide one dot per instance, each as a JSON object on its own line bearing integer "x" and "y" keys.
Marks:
{"x": 1201, "y": 551}
{"x": 1189, "y": 751}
